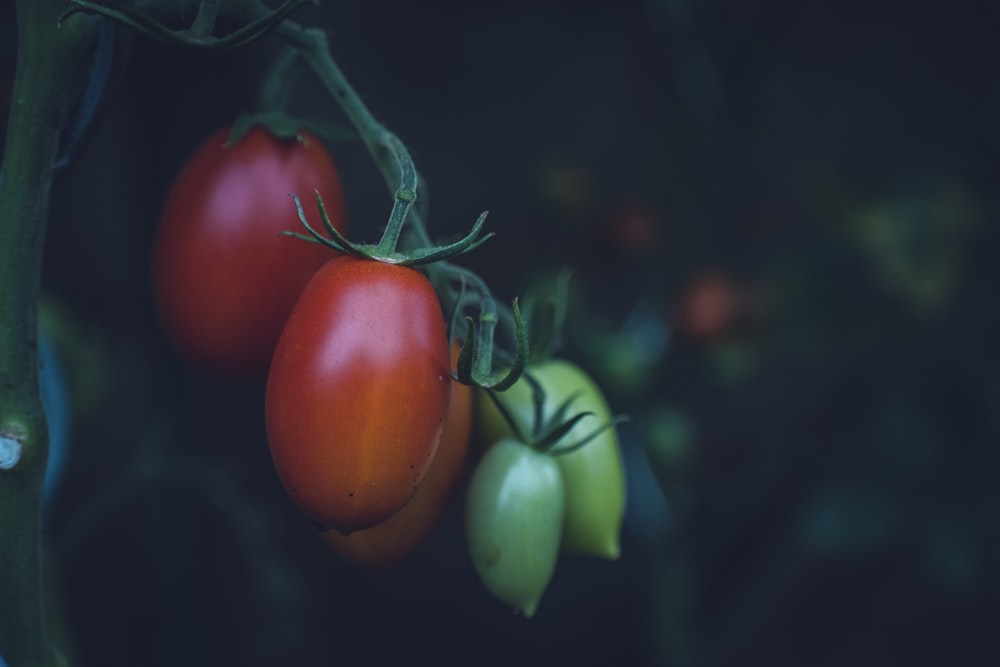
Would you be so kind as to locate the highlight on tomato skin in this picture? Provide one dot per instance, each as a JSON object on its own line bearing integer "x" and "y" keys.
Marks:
{"x": 391, "y": 541}
{"x": 225, "y": 278}
{"x": 358, "y": 392}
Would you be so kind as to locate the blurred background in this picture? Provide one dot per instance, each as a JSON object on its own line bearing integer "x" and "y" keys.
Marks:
{"x": 779, "y": 219}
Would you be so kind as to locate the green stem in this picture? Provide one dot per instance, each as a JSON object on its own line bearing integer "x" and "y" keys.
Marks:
{"x": 405, "y": 195}
{"x": 277, "y": 88}
{"x": 48, "y": 61}
{"x": 378, "y": 139}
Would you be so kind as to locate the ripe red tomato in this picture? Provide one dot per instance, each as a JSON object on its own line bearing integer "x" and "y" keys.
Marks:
{"x": 225, "y": 278}
{"x": 357, "y": 392}
{"x": 397, "y": 537}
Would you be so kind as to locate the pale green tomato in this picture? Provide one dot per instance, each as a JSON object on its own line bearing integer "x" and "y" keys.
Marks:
{"x": 593, "y": 475}
{"x": 513, "y": 520}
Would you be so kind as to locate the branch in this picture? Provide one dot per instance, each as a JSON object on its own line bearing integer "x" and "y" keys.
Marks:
{"x": 48, "y": 61}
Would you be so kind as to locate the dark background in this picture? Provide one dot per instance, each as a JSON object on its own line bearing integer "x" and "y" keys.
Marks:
{"x": 779, "y": 217}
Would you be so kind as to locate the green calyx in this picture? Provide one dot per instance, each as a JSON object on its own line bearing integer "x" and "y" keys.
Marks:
{"x": 277, "y": 124}
{"x": 385, "y": 250}
{"x": 200, "y": 32}
{"x": 547, "y": 432}
{"x": 285, "y": 126}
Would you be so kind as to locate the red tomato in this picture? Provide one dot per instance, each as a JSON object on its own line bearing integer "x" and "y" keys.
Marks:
{"x": 358, "y": 392}
{"x": 225, "y": 278}
{"x": 393, "y": 540}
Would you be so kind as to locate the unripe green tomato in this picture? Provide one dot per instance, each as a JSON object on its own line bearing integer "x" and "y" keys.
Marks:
{"x": 593, "y": 475}
{"x": 513, "y": 520}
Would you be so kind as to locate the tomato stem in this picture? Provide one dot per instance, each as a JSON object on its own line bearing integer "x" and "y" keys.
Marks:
{"x": 277, "y": 89}
{"x": 405, "y": 195}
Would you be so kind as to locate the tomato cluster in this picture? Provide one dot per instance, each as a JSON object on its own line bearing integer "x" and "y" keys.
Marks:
{"x": 355, "y": 352}
{"x": 367, "y": 429}
{"x": 581, "y": 488}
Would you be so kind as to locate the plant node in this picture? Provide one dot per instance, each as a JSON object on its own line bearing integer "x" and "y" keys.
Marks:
{"x": 10, "y": 452}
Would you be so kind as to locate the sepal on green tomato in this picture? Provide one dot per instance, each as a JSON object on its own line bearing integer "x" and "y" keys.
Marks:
{"x": 514, "y": 514}
{"x": 593, "y": 474}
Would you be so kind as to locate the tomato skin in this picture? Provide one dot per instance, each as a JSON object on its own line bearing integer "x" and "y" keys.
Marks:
{"x": 394, "y": 539}
{"x": 224, "y": 277}
{"x": 514, "y": 514}
{"x": 594, "y": 475}
{"x": 357, "y": 392}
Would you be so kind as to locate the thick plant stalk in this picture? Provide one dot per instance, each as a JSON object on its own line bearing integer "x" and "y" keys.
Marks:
{"x": 49, "y": 58}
